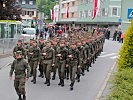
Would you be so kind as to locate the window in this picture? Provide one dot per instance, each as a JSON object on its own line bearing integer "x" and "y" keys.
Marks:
{"x": 89, "y": 13}
{"x": 23, "y": 2}
{"x": 73, "y": 3}
{"x": 103, "y": 11}
{"x": 72, "y": 15}
{"x": 23, "y": 13}
{"x": 86, "y": 13}
{"x": 62, "y": 15}
{"x": 114, "y": 11}
{"x": 31, "y": 2}
{"x": 81, "y": 14}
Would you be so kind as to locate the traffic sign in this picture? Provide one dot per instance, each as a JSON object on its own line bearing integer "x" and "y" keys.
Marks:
{"x": 130, "y": 14}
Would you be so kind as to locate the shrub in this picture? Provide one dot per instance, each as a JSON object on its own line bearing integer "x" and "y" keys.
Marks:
{"x": 126, "y": 53}
{"x": 122, "y": 85}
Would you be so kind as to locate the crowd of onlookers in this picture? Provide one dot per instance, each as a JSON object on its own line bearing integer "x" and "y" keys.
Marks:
{"x": 50, "y": 31}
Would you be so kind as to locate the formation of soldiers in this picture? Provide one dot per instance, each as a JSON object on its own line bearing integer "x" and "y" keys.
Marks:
{"x": 68, "y": 56}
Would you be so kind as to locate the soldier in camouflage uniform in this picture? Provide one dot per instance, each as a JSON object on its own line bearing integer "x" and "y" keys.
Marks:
{"x": 19, "y": 67}
{"x": 73, "y": 62}
{"x": 41, "y": 45}
{"x": 62, "y": 56}
{"x": 48, "y": 60}
{"x": 54, "y": 68}
{"x": 34, "y": 58}
{"x": 82, "y": 58}
{"x": 19, "y": 47}
{"x": 67, "y": 44}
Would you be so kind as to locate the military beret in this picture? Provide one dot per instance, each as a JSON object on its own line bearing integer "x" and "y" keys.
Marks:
{"x": 19, "y": 53}
{"x": 19, "y": 40}
{"x": 41, "y": 38}
{"x": 34, "y": 41}
{"x": 73, "y": 43}
{"x": 48, "y": 41}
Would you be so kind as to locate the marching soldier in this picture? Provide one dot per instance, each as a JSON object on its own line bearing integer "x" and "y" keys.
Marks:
{"x": 48, "y": 60}
{"x": 67, "y": 45}
{"x": 34, "y": 58}
{"x": 19, "y": 67}
{"x": 82, "y": 57}
{"x": 19, "y": 47}
{"x": 62, "y": 56}
{"x": 54, "y": 68}
{"x": 73, "y": 62}
{"x": 41, "y": 45}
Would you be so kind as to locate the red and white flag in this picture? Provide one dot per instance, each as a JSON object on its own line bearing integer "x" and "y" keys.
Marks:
{"x": 67, "y": 9}
{"x": 52, "y": 14}
{"x": 96, "y": 8}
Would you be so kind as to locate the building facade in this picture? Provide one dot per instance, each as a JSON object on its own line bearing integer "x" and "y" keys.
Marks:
{"x": 28, "y": 9}
{"x": 112, "y": 13}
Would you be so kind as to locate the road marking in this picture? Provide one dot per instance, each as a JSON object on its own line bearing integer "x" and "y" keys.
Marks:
{"x": 103, "y": 52}
{"x": 105, "y": 82}
{"x": 111, "y": 54}
{"x": 114, "y": 57}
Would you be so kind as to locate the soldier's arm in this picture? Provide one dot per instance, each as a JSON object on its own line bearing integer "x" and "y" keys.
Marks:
{"x": 12, "y": 69}
{"x": 79, "y": 60}
{"x": 53, "y": 56}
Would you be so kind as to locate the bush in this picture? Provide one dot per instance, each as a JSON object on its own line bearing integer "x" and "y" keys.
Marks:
{"x": 123, "y": 81}
{"x": 126, "y": 53}
{"x": 122, "y": 85}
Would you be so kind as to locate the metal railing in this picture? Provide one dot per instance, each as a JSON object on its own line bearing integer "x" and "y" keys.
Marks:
{"x": 7, "y": 45}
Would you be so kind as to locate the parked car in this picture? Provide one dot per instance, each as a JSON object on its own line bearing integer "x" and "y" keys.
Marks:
{"x": 27, "y": 34}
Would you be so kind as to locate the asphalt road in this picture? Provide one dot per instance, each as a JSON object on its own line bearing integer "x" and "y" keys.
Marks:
{"x": 87, "y": 89}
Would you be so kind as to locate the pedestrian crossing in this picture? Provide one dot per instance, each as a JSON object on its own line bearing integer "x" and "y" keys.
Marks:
{"x": 110, "y": 55}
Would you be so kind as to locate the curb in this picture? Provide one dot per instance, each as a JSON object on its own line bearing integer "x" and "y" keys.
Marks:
{"x": 105, "y": 83}
{"x": 5, "y": 55}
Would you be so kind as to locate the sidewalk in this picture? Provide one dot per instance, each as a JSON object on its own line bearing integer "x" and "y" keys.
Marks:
{"x": 106, "y": 87}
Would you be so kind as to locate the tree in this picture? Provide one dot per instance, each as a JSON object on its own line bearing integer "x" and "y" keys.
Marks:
{"x": 126, "y": 53}
{"x": 45, "y": 6}
{"x": 11, "y": 11}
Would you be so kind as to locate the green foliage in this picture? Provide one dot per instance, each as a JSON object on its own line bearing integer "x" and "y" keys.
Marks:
{"x": 126, "y": 53}
{"x": 123, "y": 85}
{"x": 45, "y": 6}
{"x": 123, "y": 81}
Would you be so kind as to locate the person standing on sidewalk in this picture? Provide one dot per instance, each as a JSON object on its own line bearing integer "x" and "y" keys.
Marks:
{"x": 19, "y": 67}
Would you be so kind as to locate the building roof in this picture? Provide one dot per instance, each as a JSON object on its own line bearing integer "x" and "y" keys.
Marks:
{"x": 27, "y": 6}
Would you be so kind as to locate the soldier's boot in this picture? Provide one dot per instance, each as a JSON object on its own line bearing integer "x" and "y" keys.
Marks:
{"x": 78, "y": 78}
{"x": 24, "y": 97}
{"x": 34, "y": 81}
{"x": 48, "y": 83}
{"x": 83, "y": 72}
{"x": 71, "y": 86}
{"x": 62, "y": 82}
{"x": 88, "y": 68}
{"x": 20, "y": 98}
{"x": 53, "y": 77}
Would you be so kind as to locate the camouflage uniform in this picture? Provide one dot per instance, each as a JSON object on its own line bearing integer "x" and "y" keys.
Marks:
{"x": 62, "y": 56}
{"x": 48, "y": 59}
{"x": 74, "y": 62}
{"x": 34, "y": 58}
{"x": 41, "y": 45}
{"x": 20, "y": 66}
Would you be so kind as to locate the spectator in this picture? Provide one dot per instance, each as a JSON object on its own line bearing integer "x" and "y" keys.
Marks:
{"x": 114, "y": 35}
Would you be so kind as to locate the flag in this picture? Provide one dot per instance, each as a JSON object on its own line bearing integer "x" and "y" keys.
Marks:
{"x": 96, "y": 8}
{"x": 52, "y": 14}
{"x": 67, "y": 9}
